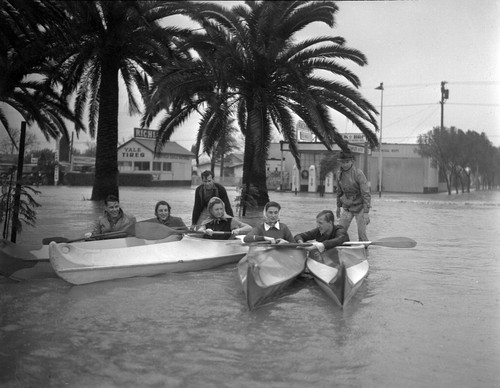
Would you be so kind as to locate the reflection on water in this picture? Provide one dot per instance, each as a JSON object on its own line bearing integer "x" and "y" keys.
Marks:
{"x": 426, "y": 316}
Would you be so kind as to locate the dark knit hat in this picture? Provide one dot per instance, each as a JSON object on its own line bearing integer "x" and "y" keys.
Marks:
{"x": 346, "y": 155}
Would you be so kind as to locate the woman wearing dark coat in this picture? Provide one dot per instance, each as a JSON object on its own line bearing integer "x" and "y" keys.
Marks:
{"x": 202, "y": 195}
{"x": 164, "y": 216}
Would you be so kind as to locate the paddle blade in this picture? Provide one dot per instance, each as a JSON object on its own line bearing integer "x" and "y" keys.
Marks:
{"x": 396, "y": 242}
{"x": 48, "y": 240}
{"x": 390, "y": 242}
{"x": 9, "y": 266}
{"x": 154, "y": 231}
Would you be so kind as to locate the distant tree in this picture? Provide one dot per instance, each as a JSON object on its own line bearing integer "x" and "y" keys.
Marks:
{"x": 225, "y": 145}
{"x": 328, "y": 164}
{"x": 46, "y": 164}
{"x": 9, "y": 145}
{"x": 460, "y": 155}
{"x": 91, "y": 149}
{"x": 437, "y": 146}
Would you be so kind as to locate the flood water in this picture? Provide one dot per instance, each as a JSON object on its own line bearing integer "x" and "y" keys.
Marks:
{"x": 425, "y": 317}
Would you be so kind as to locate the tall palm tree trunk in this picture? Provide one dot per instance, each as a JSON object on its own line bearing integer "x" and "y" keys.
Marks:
{"x": 106, "y": 168}
{"x": 254, "y": 162}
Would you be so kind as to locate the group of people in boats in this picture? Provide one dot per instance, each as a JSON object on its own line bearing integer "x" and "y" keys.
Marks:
{"x": 212, "y": 214}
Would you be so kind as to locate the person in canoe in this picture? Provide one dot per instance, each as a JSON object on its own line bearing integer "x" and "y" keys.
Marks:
{"x": 208, "y": 189}
{"x": 326, "y": 235}
{"x": 271, "y": 229}
{"x": 353, "y": 195}
{"x": 114, "y": 218}
{"x": 163, "y": 213}
{"x": 218, "y": 221}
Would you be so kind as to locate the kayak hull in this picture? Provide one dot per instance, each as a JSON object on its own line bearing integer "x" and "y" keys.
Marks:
{"x": 25, "y": 261}
{"x": 265, "y": 272}
{"x": 81, "y": 266}
{"x": 342, "y": 273}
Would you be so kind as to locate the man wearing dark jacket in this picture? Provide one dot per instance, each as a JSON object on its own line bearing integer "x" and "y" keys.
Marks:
{"x": 327, "y": 235}
{"x": 203, "y": 193}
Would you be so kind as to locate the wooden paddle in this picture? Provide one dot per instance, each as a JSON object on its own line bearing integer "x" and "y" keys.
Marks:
{"x": 390, "y": 242}
{"x": 214, "y": 233}
{"x": 282, "y": 245}
{"x": 102, "y": 236}
{"x": 144, "y": 230}
{"x": 155, "y": 231}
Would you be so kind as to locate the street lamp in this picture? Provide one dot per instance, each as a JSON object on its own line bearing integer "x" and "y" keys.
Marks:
{"x": 281, "y": 172}
{"x": 381, "y": 88}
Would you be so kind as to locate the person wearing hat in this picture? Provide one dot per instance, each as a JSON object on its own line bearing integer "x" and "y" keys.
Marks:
{"x": 353, "y": 195}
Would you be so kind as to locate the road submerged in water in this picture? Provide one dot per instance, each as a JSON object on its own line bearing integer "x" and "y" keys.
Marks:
{"x": 427, "y": 316}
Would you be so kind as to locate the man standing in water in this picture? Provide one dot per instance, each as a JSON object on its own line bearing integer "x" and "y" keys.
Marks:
{"x": 353, "y": 195}
{"x": 203, "y": 193}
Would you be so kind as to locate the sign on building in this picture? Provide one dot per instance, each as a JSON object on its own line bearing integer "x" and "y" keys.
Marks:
{"x": 145, "y": 133}
{"x": 354, "y": 137}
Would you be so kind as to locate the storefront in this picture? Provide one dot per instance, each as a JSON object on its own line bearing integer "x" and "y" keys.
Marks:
{"x": 171, "y": 167}
{"x": 403, "y": 169}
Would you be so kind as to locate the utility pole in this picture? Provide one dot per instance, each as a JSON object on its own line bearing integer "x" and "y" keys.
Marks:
{"x": 380, "y": 162}
{"x": 19, "y": 181}
{"x": 445, "y": 93}
{"x": 71, "y": 153}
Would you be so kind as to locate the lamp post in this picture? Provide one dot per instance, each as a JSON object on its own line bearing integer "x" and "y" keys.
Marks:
{"x": 281, "y": 172}
{"x": 381, "y": 88}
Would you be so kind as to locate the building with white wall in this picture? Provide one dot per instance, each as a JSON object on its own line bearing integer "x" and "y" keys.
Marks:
{"x": 171, "y": 167}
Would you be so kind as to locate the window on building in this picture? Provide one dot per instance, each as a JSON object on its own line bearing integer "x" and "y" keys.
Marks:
{"x": 125, "y": 166}
{"x": 167, "y": 166}
{"x": 141, "y": 166}
{"x": 156, "y": 166}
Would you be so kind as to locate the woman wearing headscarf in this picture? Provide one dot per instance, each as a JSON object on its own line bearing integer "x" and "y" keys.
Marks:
{"x": 272, "y": 229}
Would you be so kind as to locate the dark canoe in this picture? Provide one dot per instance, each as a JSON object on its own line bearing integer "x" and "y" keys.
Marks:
{"x": 266, "y": 271}
{"x": 342, "y": 273}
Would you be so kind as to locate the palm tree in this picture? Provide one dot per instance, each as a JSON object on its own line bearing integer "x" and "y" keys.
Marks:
{"x": 113, "y": 38}
{"x": 249, "y": 64}
{"x": 30, "y": 34}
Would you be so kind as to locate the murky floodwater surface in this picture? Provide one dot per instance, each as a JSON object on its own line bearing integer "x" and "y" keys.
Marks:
{"x": 428, "y": 316}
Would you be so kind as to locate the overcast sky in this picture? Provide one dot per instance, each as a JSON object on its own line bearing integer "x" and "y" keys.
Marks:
{"x": 411, "y": 46}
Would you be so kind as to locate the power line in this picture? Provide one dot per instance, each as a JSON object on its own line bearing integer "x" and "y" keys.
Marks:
{"x": 433, "y": 103}
{"x": 408, "y": 116}
{"x": 475, "y": 83}
{"x": 472, "y": 104}
{"x": 399, "y": 105}
{"x": 433, "y": 84}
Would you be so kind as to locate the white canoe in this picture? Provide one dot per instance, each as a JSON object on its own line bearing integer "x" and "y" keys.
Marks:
{"x": 77, "y": 265}
{"x": 345, "y": 271}
{"x": 143, "y": 233}
{"x": 22, "y": 262}
{"x": 33, "y": 252}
